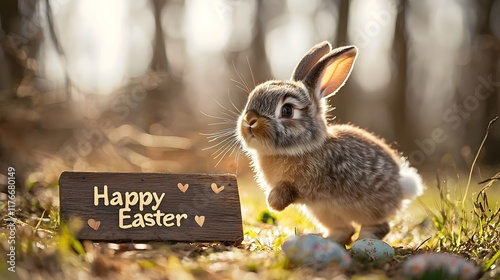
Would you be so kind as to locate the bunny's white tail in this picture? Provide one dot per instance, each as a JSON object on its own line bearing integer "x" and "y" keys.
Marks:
{"x": 410, "y": 181}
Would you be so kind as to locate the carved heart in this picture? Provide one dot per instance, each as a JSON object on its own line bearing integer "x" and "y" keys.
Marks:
{"x": 200, "y": 220}
{"x": 93, "y": 224}
{"x": 182, "y": 187}
{"x": 217, "y": 189}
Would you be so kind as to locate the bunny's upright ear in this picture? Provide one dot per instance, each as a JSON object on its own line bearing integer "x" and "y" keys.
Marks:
{"x": 330, "y": 73}
{"x": 310, "y": 59}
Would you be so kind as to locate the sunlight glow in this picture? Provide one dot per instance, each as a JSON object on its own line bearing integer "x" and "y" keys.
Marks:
{"x": 101, "y": 38}
{"x": 434, "y": 74}
{"x": 207, "y": 27}
{"x": 104, "y": 42}
{"x": 286, "y": 43}
{"x": 371, "y": 28}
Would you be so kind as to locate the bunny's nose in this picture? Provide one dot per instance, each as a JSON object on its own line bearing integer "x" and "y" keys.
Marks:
{"x": 251, "y": 118}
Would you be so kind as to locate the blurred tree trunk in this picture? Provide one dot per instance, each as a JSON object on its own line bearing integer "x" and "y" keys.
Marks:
{"x": 19, "y": 43}
{"x": 492, "y": 147}
{"x": 342, "y": 102}
{"x": 159, "y": 98}
{"x": 261, "y": 66}
{"x": 343, "y": 22}
{"x": 11, "y": 71}
{"x": 257, "y": 64}
{"x": 401, "y": 57}
{"x": 159, "y": 60}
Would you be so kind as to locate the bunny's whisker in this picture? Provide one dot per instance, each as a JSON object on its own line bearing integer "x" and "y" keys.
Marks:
{"x": 251, "y": 72}
{"x": 229, "y": 117}
{"x": 224, "y": 137}
{"x": 218, "y": 118}
{"x": 226, "y": 122}
{"x": 330, "y": 109}
{"x": 238, "y": 153}
{"x": 222, "y": 144}
{"x": 224, "y": 148}
{"x": 242, "y": 78}
{"x": 235, "y": 114}
{"x": 230, "y": 151}
{"x": 240, "y": 86}
{"x": 216, "y": 138}
{"x": 237, "y": 158}
{"x": 232, "y": 103}
{"x": 218, "y": 135}
{"x": 224, "y": 152}
{"x": 230, "y": 148}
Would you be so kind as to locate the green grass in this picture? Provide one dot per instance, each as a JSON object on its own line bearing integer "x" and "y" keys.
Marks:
{"x": 471, "y": 232}
{"x": 474, "y": 234}
{"x": 443, "y": 220}
{"x": 48, "y": 249}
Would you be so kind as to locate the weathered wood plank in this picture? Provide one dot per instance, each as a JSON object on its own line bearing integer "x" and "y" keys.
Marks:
{"x": 123, "y": 207}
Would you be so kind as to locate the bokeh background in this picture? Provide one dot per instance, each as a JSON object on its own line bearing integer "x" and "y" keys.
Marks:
{"x": 130, "y": 85}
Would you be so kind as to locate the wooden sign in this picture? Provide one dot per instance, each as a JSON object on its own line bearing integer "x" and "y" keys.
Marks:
{"x": 124, "y": 207}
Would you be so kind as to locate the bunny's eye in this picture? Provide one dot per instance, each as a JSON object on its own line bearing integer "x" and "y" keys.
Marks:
{"x": 287, "y": 111}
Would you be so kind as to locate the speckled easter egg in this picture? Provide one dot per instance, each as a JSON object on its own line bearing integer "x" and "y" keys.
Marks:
{"x": 312, "y": 249}
{"x": 372, "y": 249}
{"x": 440, "y": 265}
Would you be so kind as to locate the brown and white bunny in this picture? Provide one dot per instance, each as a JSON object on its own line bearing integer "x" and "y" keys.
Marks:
{"x": 341, "y": 174}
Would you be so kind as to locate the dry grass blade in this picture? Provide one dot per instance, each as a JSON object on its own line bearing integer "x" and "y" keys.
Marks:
{"x": 475, "y": 160}
{"x": 494, "y": 178}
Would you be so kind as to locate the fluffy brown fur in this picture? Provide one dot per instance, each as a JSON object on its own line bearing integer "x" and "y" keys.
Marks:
{"x": 341, "y": 174}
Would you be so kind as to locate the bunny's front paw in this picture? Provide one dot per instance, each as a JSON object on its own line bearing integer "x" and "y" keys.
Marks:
{"x": 282, "y": 196}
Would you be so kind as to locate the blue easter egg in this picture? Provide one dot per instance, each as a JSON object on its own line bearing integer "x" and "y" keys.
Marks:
{"x": 371, "y": 249}
{"x": 312, "y": 249}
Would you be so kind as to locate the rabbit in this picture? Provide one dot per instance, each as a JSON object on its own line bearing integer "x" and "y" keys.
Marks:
{"x": 340, "y": 174}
